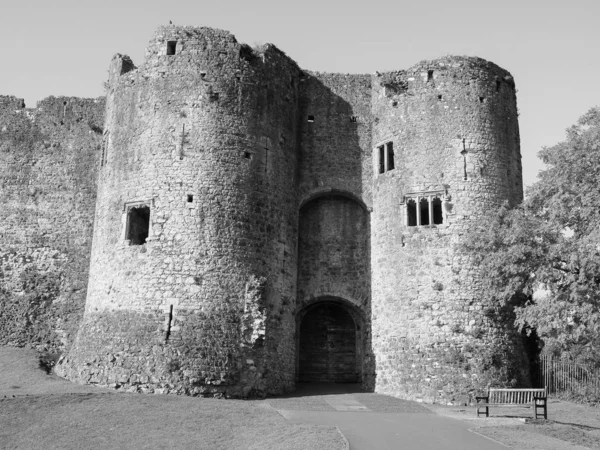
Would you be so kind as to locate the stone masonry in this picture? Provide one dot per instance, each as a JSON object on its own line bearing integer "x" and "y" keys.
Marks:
{"x": 257, "y": 224}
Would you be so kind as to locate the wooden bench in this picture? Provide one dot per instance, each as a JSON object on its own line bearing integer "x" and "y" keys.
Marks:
{"x": 526, "y": 398}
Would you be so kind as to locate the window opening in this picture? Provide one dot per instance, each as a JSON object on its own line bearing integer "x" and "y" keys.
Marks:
{"x": 247, "y": 155}
{"x": 190, "y": 198}
{"x": 498, "y": 85}
{"x": 104, "y": 156}
{"x": 311, "y": 119}
{"x": 411, "y": 213}
{"x": 138, "y": 224}
{"x": 171, "y": 47}
{"x": 438, "y": 216}
{"x": 464, "y": 155}
{"x": 169, "y": 322}
{"x": 353, "y": 119}
{"x": 430, "y": 75}
{"x": 385, "y": 153}
{"x": 390, "y": 155}
{"x": 424, "y": 209}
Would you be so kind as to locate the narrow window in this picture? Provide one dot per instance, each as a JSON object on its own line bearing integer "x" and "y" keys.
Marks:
{"x": 411, "y": 213}
{"x": 311, "y": 119}
{"x": 430, "y": 75}
{"x": 190, "y": 198}
{"x": 424, "y": 207}
{"x": 138, "y": 224}
{"x": 438, "y": 216}
{"x": 169, "y": 322}
{"x": 390, "y": 155}
{"x": 381, "y": 149}
{"x": 171, "y": 47}
{"x": 104, "y": 156}
{"x": 498, "y": 85}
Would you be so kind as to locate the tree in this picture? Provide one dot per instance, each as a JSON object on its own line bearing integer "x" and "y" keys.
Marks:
{"x": 542, "y": 259}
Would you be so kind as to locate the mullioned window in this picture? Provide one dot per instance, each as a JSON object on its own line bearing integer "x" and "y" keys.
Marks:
{"x": 425, "y": 208}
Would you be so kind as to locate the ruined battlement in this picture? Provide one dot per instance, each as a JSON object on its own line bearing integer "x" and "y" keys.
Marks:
{"x": 258, "y": 225}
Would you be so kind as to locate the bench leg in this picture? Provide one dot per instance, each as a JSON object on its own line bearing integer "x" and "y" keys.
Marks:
{"x": 479, "y": 408}
{"x": 541, "y": 405}
{"x": 487, "y": 411}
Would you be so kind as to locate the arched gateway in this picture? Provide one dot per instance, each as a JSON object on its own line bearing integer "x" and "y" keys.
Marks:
{"x": 329, "y": 343}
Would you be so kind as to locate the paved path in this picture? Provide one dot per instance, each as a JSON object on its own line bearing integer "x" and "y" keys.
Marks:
{"x": 379, "y": 422}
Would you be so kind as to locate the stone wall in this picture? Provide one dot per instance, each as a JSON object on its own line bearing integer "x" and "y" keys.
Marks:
{"x": 238, "y": 194}
{"x": 453, "y": 125}
{"x": 335, "y": 135}
{"x": 48, "y": 163}
{"x": 335, "y": 184}
{"x": 334, "y": 263}
{"x": 206, "y": 138}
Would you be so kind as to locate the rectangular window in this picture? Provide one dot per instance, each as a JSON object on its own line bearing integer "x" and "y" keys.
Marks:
{"x": 411, "y": 213}
{"x": 424, "y": 207}
{"x": 171, "y": 47}
{"x": 138, "y": 224}
{"x": 390, "y": 155}
{"x": 438, "y": 216}
{"x": 385, "y": 155}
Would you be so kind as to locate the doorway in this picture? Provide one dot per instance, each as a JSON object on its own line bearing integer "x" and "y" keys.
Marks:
{"x": 327, "y": 348}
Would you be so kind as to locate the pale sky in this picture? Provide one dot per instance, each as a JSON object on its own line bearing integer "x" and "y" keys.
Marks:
{"x": 63, "y": 47}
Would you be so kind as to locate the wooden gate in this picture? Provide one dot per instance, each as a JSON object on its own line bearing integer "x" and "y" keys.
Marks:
{"x": 327, "y": 347}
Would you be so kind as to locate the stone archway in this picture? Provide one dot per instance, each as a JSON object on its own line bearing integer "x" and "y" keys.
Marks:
{"x": 329, "y": 344}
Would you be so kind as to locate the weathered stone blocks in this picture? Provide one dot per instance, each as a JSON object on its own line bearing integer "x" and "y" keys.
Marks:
{"x": 242, "y": 202}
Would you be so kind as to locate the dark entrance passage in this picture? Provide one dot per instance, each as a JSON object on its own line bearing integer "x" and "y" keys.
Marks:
{"x": 327, "y": 347}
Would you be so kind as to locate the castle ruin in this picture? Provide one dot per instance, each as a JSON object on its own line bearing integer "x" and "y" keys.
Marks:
{"x": 258, "y": 225}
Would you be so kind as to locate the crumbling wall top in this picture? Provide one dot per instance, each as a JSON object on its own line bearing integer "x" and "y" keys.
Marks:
{"x": 11, "y": 102}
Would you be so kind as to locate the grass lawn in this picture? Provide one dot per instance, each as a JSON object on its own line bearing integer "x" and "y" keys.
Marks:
{"x": 38, "y": 411}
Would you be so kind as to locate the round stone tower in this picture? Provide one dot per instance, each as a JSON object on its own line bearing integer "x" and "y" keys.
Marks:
{"x": 446, "y": 156}
{"x": 257, "y": 226}
{"x": 191, "y": 284}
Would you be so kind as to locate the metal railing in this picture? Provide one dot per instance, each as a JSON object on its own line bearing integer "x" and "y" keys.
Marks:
{"x": 560, "y": 375}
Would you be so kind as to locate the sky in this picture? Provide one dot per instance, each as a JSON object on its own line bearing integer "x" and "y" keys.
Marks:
{"x": 63, "y": 47}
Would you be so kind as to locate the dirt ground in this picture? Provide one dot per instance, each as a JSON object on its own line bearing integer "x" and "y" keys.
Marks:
{"x": 38, "y": 410}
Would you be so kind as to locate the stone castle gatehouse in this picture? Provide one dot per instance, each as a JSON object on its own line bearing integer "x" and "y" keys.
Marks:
{"x": 258, "y": 225}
